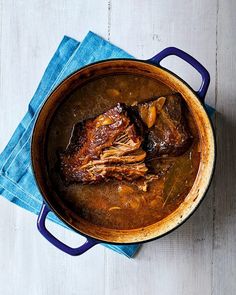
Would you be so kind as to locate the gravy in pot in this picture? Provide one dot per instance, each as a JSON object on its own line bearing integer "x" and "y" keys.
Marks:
{"x": 121, "y": 204}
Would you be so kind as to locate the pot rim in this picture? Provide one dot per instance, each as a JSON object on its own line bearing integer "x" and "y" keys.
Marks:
{"x": 201, "y": 101}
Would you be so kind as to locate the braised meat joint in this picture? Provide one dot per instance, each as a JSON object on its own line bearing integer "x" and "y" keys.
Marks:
{"x": 119, "y": 143}
{"x": 105, "y": 147}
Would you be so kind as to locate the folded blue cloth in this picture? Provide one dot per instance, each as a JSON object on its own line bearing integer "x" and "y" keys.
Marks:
{"x": 17, "y": 183}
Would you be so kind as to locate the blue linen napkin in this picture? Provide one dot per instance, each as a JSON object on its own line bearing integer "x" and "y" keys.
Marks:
{"x": 17, "y": 183}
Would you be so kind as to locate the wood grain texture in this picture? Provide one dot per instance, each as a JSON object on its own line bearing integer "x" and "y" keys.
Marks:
{"x": 197, "y": 258}
{"x": 224, "y": 247}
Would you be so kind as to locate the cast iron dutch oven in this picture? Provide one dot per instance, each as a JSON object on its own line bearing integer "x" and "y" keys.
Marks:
{"x": 150, "y": 68}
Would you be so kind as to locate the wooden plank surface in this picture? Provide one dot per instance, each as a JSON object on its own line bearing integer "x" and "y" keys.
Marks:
{"x": 224, "y": 250}
{"x": 197, "y": 258}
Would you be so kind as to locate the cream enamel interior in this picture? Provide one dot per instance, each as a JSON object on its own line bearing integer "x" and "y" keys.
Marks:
{"x": 206, "y": 164}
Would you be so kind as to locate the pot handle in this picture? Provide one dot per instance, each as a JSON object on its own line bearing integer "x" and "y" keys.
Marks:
{"x": 53, "y": 240}
{"x": 201, "y": 93}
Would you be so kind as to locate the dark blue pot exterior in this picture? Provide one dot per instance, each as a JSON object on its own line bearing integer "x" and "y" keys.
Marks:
{"x": 201, "y": 93}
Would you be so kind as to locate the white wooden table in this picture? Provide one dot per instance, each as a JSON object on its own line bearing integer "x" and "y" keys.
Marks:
{"x": 197, "y": 258}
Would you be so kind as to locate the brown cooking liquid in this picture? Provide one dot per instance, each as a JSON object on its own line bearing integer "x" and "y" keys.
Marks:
{"x": 119, "y": 204}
